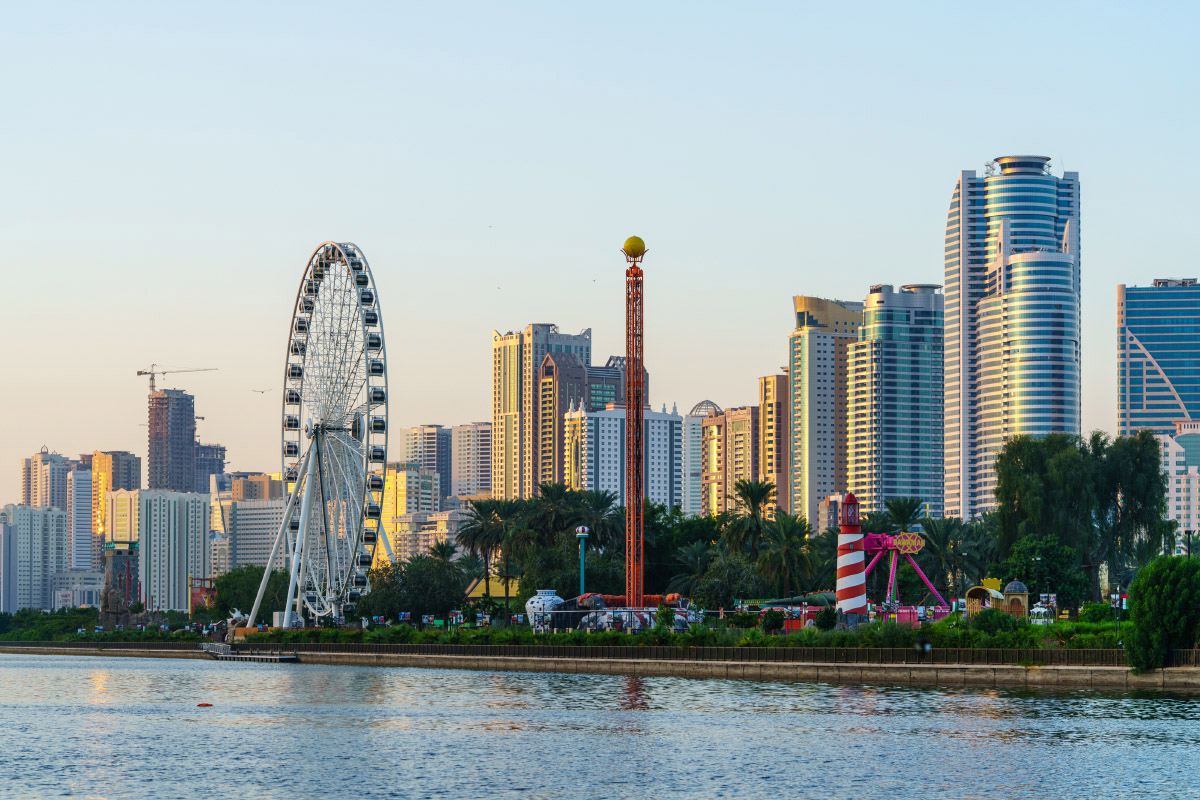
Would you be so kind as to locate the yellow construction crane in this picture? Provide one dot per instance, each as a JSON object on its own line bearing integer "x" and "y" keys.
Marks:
{"x": 154, "y": 370}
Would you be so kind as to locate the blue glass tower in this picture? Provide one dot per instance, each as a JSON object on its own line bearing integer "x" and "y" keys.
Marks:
{"x": 1158, "y": 352}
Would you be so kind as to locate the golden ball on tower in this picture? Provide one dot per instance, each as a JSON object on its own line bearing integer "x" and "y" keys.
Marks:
{"x": 634, "y": 247}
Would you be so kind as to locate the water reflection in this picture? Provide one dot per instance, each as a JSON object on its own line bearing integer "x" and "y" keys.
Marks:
{"x": 120, "y": 727}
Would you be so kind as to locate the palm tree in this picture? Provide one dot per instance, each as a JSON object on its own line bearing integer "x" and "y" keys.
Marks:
{"x": 552, "y": 512}
{"x": 694, "y": 559}
{"x": 513, "y": 534}
{"x": 745, "y": 532}
{"x": 444, "y": 550}
{"x": 785, "y": 555}
{"x": 480, "y": 534}
{"x": 598, "y": 511}
{"x": 904, "y": 511}
{"x": 943, "y": 551}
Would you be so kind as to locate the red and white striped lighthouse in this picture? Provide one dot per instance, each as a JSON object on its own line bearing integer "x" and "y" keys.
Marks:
{"x": 851, "y": 582}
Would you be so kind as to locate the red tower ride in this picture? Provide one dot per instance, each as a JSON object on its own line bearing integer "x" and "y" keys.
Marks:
{"x": 635, "y": 402}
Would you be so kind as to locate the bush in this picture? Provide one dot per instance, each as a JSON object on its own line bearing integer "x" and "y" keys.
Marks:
{"x": 771, "y": 620}
{"x": 992, "y": 621}
{"x": 827, "y": 618}
{"x": 1096, "y": 612}
{"x": 1164, "y": 607}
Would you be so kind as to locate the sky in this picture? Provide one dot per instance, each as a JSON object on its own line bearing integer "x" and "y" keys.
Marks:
{"x": 168, "y": 168}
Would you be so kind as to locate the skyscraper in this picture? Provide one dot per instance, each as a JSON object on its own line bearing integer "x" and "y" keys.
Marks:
{"x": 79, "y": 518}
{"x": 210, "y": 460}
{"x": 515, "y": 360}
{"x": 729, "y": 454}
{"x": 471, "y": 459}
{"x": 895, "y": 399}
{"x": 111, "y": 471}
{"x": 429, "y": 446}
{"x": 37, "y": 550}
{"x": 44, "y": 478}
{"x": 819, "y": 412}
{"x": 1158, "y": 355}
{"x": 594, "y": 453}
{"x": 1012, "y": 319}
{"x": 773, "y": 438}
{"x": 565, "y": 383}
{"x": 693, "y": 455}
{"x": 172, "y": 544}
{"x": 171, "y": 458}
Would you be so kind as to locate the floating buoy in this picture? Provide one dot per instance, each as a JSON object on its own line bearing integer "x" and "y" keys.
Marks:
{"x": 203, "y": 705}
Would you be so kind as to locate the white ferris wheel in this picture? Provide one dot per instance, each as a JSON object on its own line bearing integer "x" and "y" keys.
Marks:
{"x": 334, "y": 438}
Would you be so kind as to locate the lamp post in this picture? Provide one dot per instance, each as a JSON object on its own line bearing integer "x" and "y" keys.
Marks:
{"x": 581, "y": 533}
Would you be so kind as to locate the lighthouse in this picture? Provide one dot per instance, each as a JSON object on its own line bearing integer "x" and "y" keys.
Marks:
{"x": 851, "y": 580}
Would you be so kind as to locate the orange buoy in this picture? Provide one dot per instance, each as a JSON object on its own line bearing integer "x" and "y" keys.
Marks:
{"x": 203, "y": 705}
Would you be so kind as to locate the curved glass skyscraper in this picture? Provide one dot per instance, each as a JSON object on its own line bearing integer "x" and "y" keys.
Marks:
{"x": 1012, "y": 318}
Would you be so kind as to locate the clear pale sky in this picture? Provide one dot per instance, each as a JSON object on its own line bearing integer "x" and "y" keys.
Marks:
{"x": 167, "y": 169}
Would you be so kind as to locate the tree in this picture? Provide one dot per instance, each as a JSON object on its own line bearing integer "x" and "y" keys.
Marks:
{"x": 557, "y": 568}
{"x": 552, "y": 512}
{"x": 693, "y": 559}
{"x": 599, "y": 513}
{"x": 729, "y": 576}
{"x": 238, "y": 588}
{"x": 744, "y": 532}
{"x": 904, "y": 511}
{"x": 1164, "y": 607}
{"x": 1044, "y": 566}
{"x": 784, "y": 559}
{"x": 444, "y": 550}
{"x": 423, "y": 585}
{"x": 480, "y": 533}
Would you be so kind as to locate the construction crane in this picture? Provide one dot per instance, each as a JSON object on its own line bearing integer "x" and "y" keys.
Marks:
{"x": 154, "y": 370}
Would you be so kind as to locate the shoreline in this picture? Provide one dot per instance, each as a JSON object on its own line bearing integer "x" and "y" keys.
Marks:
{"x": 1173, "y": 679}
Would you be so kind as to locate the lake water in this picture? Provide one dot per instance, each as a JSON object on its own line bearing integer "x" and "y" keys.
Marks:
{"x": 130, "y": 728}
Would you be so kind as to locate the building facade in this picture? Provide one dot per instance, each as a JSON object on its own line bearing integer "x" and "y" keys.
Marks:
{"x": 79, "y": 518}
{"x": 895, "y": 400}
{"x": 1012, "y": 319}
{"x": 210, "y": 460}
{"x": 34, "y": 547}
{"x": 44, "y": 478}
{"x": 1158, "y": 355}
{"x": 565, "y": 383}
{"x": 172, "y": 545}
{"x": 414, "y": 534}
{"x": 430, "y": 447}
{"x": 818, "y": 397}
{"x": 171, "y": 457}
{"x": 773, "y": 440}
{"x": 693, "y": 455}
{"x": 251, "y": 528}
{"x": 594, "y": 453}
{"x": 515, "y": 360}
{"x": 111, "y": 471}
{"x": 729, "y": 453}
{"x": 471, "y": 460}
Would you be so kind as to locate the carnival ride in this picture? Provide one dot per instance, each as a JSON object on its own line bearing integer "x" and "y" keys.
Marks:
{"x": 334, "y": 430}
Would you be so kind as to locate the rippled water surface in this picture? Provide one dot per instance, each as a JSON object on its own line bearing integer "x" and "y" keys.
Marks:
{"x": 130, "y": 728}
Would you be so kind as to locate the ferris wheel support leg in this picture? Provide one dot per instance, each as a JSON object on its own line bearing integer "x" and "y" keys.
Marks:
{"x": 301, "y": 538}
{"x": 262, "y": 585}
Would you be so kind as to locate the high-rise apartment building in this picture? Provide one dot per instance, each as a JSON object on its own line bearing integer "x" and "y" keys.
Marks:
{"x": 1181, "y": 466}
{"x": 44, "y": 478}
{"x": 773, "y": 439}
{"x": 172, "y": 544}
{"x": 251, "y": 528}
{"x": 79, "y": 518}
{"x": 729, "y": 454}
{"x": 34, "y": 546}
{"x": 693, "y": 455}
{"x": 471, "y": 460}
{"x": 111, "y": 471}
{"x": 818, "y": 366}
{"x": 414, "y": 534}
{"x": 594, "y": 453}
{"x": 259, "y": 496}
{"x": 565, "y": 383}
{"x": 895, "y": 402}
{"x": 210, "y": 460}
{"x": 430, "y": 447}
{"x": 171, "y": 461}
{"x": 516, "y": 357}
{"x": 1012, "y": 319}
{"x": 1158, "y": 355}
{"x": 409, "y": 488}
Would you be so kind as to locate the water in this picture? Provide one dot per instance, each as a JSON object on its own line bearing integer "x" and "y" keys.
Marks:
{"x": 129, "y": 728}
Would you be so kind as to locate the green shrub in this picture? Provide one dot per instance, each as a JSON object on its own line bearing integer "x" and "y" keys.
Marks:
{"x": 826, "y": 618}
{"x": 1096, "y": 612}
{"x": 992, "y": 621}
{"x": 1164, "y": 606}
{"x": 771, "y": 620}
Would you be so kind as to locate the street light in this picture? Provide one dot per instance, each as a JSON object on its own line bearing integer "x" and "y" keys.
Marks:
{"x": 581, "y": 533}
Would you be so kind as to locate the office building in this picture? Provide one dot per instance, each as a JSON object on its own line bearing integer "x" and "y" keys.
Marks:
{"x": 172, "y": 544}
{"x": 34, "y": 546}
{"x": 1158, "y": 355}
{"x": 251, "y": 528}
{"x": 594, "y": 453}
{"x": 729, "y": 454}
{"x": 428, "y": 446}
{"x": 565, "y": 383}
{"x": 111, "y": 471}
{"x": 414, "y": 534}
{"x": 818, "y": 351}
{"x": 773, "y": 441}
{"x": 410, "y": 489}
{"x": 79, "y": 518}
{"x": 1012, "y": 319}
{"x": 471, "y": 460}
{"x": 693, "y": 449}
{"x": 171, "y": 459}
{"x": 895, "y": 403}
{"x": 210, "y": 460}
{"x": 77, "y": 588}
{"x": 516, "y": 357}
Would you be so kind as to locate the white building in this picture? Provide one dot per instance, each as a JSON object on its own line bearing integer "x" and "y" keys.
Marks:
{"x": 594, "y": 453}
{"x": 1181, "y": 465}
{"x": 172, "y": 543}
{"x": 252, "y": 528}
{"x": 693, "y": 461}
{"x": 34, "y": 545}
{"x": 471, "y": 459}
{"x": 414, "y": 534}
{"x": 79, "y": 518}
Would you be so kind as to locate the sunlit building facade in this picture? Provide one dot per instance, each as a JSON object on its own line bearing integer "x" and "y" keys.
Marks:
{"x": 693, "y": 455}
{"x": 471, "y": 460}
{"x": 773, "y": 439}
{"x": 594, "y": 453}
{"x": 729, "y": 453}
{"x": 1158, "y": 355}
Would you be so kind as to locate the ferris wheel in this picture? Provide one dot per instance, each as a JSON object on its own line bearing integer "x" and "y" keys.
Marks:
{"x": 334, "y": 438}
